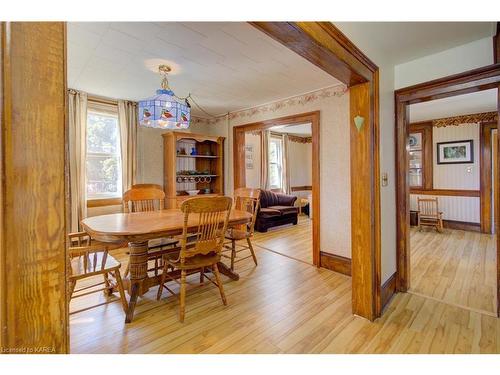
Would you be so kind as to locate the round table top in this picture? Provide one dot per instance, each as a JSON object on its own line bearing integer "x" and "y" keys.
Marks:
{"x": 142, "y": 226}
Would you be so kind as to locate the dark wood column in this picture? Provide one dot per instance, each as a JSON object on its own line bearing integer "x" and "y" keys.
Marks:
{"x": 33, "y": 315}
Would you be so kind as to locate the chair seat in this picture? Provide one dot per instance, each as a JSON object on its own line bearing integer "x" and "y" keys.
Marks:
{"x": 195, "y": 262}
{"x": 92, "y": 264}
{"x": 236, "y": 234}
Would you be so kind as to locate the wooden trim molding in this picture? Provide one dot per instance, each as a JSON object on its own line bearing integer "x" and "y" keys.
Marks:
{"x": 483, "y": 78}
{"x": 91, "y": 203}
{"x": 239, "y": 162}
{"x": 301, "y": 188}
{"x": 34, "y": 202}
{"x": 335, "y": 263}
{"x": 447, "y": 192}
{"x": 388, "y": 290}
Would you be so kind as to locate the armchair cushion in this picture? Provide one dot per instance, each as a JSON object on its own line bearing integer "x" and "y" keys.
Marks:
{"x": 285, "y": 210}
{"x": 269, "y": 212}
{"x": 269, "y": 198}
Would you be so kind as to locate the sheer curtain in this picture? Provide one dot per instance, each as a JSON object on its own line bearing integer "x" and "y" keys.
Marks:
{"x": 287, "y": 188}
{"x": 264, "y": 159}
{"x": 127, "y": 118}
{"x": 77, "y": 106}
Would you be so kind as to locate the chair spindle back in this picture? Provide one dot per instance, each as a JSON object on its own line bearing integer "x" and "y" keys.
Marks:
{"x": 428, "y": 207}
{"x": 248, "y": 199}
{"x": 213, "y": 216}
{"x": 144, "y": 197}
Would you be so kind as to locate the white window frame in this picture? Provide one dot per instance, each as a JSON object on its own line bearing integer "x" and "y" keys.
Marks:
{"x": 279, "y": 162}
{"x": 109, "y": 112}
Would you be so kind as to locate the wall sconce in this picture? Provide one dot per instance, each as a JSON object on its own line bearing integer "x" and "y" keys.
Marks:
{"x": 359, "y": 121}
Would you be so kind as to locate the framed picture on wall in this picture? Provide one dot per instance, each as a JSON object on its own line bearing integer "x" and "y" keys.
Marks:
{"x": 249, "y": 156}
{"x": 455, "y": 152}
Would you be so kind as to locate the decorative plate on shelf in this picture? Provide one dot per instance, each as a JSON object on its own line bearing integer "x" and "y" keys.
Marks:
{"x": 413, "y": 141}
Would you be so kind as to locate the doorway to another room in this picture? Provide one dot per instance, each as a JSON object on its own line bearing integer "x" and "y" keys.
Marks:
{"x": 278, "y": 160}
{"x": 281, "y": 157}
{"x": 447, "y": 243}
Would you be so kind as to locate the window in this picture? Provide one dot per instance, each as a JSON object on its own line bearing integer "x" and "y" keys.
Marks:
{"x": 276, "y": 163}
{"x": 104, "y": 173}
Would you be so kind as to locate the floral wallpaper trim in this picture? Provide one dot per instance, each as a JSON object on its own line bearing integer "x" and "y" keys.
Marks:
{"x": 303, "y": 99}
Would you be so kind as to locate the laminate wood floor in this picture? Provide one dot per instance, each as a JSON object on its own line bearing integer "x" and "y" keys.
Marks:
{"x": 457, "y": 267}
{"x": 280, "y": 306}
{"x": 294, "y": 241}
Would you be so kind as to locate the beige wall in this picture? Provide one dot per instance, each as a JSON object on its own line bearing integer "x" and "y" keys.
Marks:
{"x": 456, "y": 176}
{"x": 300, "y": 155}
{"x": 333, "y": 105}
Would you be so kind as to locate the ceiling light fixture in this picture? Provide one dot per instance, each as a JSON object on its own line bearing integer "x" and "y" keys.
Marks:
{"x": 165, "y": 110}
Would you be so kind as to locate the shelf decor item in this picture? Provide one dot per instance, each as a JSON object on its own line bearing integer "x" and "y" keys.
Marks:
{"x": 201, "y": 171}
{"x": 165, "y": 110}
{"x": 455, "y": 152}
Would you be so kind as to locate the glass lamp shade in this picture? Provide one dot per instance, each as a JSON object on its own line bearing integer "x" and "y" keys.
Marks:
{"x": 164, "y": 111}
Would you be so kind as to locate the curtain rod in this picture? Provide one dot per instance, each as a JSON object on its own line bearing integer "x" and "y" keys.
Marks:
{"x": 102, "y": 99}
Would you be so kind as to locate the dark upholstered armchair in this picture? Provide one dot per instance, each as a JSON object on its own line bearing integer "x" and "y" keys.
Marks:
{"x": 275, "y": 209}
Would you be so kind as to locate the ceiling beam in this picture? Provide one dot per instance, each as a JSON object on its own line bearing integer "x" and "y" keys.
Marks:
{"x": 322, "y": 44}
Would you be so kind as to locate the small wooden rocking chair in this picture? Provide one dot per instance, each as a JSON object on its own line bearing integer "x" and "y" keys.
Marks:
{"x": 429, "y": 214}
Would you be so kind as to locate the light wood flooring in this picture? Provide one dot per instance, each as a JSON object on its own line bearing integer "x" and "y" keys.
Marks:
{"x": 280, "y": 306}
{"x": 457, "y": 267}
{"x": 294, "y": 241}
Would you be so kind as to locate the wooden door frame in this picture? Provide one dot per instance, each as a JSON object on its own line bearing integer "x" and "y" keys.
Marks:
{"x": 485, "y": 165}
{"x": 480, "y": 79}
{"x": 240, "y": 171}
{"x": 322, "y": 44}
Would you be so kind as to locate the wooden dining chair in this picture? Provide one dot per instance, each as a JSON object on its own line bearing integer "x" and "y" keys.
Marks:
{"x": 88, "y": 259}
{"x": 429, "y": 214}
{"x": 212, "y": 216}
{"x": 143, "y": 198}
{"x": 245, "y": 199}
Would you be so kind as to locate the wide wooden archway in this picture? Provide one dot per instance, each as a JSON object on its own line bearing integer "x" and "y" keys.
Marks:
{"x": 35, "y": 187}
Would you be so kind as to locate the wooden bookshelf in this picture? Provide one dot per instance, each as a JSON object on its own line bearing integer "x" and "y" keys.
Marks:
{"x": 192, "y": 162}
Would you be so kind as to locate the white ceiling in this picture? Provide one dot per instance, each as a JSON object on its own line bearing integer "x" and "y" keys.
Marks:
{"x": 300, "y": 129}
{"x": 226, "y": 66}
{"x": 398, "y": 42}
{"x": 477, "y": 102}
{"x": 229, "y": 66}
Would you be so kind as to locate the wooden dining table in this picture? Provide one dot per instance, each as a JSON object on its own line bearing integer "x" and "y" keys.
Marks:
{"x": 137, "y": 229}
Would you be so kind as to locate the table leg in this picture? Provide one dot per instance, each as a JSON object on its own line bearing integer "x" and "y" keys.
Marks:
{"x": 138, "y": 263}
{"x": 225, "y": 270}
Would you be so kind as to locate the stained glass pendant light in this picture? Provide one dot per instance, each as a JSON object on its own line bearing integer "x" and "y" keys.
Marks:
{"x": 165, "y": 110}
